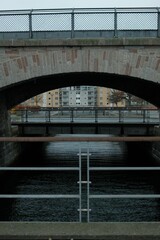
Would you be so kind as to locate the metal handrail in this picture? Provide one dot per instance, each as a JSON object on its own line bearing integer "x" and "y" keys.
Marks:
{"x": 119, "y": 196}
{"x": 124, "y": 196}
{"x": 124, "y": 168}
{"x": 39, "y": 168}
{"x": 70, "y": 24}
{"x": 47, "y": 196}
{"x": 80, "y": 182}
{"x": 80, "y": 9}
{"x": 40, "y": 196}
{"x": 97, "y": 196}
{"x": 98, "y": 114}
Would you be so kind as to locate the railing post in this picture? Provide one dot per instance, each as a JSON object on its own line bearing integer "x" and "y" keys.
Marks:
{"x": 115, "y": 23}
{"x": 88, "y": 189}
{"x": 120, "y": 117}
{"x": 158, "y": 23}
{"x": 26, "y": 115}
{"x": 22, "y": 115}
{"x": 72, "y": 115}
{"x": 96, "y": 115}
{"x": 144, "y": 115}
{"x": 72, "y": 24}
{"x": 49, "y": 115}
{"x": 30, "y": 25}
{"x": 80, "y": 186}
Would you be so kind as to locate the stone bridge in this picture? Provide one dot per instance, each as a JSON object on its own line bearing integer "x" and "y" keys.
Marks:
{"x": 29, "y": 67}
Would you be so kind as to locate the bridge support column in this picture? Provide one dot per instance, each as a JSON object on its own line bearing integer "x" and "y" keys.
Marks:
{"x": 7, "y": 149}
{"x": 156, "y": 145}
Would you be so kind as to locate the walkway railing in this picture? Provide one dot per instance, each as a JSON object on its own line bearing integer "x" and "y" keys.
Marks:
{"x": 70, "y": 115}
{"x": 80, "y": 23}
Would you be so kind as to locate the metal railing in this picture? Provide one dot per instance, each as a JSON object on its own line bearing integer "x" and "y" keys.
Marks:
{"x": 112, "y": 196}
{"x": 117, "y": 115}
{"x": 81, "y": 208}
{"x": 73, "y": 23}
{"x": 43, "y": 196}
{"x": 52, "y": 196}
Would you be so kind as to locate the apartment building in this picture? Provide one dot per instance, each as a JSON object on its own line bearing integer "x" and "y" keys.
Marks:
{"x": 51, "y": 98}
{"x": 36, "y": 101}
{"x": 74, "y": 96}
{"x": 81, "y": 96}
{"x": 103, "y": 97}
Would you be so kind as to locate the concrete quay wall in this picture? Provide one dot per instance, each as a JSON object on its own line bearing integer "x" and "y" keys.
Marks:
{"x": 103, "y": 231}
{"x": 10, "y": 151}
{"x": 156, "y": 145}
{"x": 51, "y": 129}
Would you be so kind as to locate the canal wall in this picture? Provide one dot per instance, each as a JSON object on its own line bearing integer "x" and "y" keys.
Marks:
{"x": 52, "y": 129}
{"x": 101, "y": 231}
{"x": 10, "y": 151}
{"x": 156, "y": 145}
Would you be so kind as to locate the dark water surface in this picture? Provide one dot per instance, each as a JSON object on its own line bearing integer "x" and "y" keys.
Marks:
{"x": 62, "y": 182}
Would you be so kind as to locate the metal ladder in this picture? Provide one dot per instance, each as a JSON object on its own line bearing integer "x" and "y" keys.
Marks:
{"x": 84, "y": 182}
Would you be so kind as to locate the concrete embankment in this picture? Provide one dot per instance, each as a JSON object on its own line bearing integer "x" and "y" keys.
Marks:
{"x": 156, "y": 145}
{"x": 10, "y": 151}
{"x": 103, "y": 231}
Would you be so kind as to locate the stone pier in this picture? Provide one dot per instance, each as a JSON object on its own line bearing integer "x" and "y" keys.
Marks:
{"x": 156, "y": 145}
{"x": 8, "y": 150}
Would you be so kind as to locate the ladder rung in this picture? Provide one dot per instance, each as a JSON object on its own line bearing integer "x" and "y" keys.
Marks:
{"x": 85, "y": 182}
{"x": 84, "y": 210}
{"x": 83, "y": 154}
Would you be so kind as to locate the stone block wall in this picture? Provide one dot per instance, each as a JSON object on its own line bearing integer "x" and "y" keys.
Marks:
{"x": 156, "y": 145}
{"x": 8, "y": 150}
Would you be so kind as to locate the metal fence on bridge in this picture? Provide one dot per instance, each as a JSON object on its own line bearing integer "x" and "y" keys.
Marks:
{"x": 88, "y": 114}
{"x": 80, "y": 23}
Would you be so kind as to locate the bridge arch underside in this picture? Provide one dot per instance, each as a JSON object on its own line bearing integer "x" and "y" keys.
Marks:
{"x": 147, "y": 90}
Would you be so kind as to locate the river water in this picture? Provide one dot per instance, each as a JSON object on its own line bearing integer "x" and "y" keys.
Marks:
{"x": 102, "y": 154}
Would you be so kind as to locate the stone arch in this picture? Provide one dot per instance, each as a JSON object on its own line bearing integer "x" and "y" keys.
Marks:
{"x": 28, "y": 63}
{"x": 34, "y": 69}
{"x": 146, "y": 90}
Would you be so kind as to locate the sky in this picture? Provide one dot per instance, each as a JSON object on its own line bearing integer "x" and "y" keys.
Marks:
{"x": 53, "y": 4}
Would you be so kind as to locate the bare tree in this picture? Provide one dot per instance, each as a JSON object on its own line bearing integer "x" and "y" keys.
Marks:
{"x": 116, "y": 96}
{"x": 128, "y": 98}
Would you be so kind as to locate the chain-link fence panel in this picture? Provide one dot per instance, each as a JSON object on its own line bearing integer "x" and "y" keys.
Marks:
{"x": 80, "y": 20}
{"x": 14, "y": 23}
{"x": 94, "y": 21}
{"x": 137, "y": 21}
{"x": 51, "y": 22}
